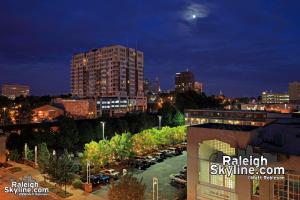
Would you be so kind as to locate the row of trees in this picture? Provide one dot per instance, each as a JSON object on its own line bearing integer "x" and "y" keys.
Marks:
{"x": 126, "y": 145}
{"x": 172, "y": 111}
{"x": 73, "y": 135}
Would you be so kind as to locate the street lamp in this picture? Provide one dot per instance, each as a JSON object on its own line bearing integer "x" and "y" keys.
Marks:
{"x": 103, "y": 125}
{"x": 88, "y": 171}
{"x": 4, "y": 109}
{"x": 159, "y": 121}
{"x": 155, "y": 188}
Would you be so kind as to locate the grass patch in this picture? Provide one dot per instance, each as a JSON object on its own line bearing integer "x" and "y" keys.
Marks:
{"x": 58, "y": 191}
{"x": 15, "y": 169}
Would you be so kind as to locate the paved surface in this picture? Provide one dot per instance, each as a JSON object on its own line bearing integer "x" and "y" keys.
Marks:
{"x": 26, "y": 170}
{"x": 160, "y": 170}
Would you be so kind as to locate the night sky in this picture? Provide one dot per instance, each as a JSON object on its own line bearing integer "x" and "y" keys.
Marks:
{"x": 239, "y": 47}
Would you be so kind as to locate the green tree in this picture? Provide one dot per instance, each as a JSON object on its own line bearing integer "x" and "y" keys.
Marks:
{"x": 178, "y": 119}
{"x": 121, "y": 146}
{"x": 128, "y": 188}
{"x": 43, "y": 157}
{"x": 86, "y": 133}
{"x": 61, "y": 169}
{"x": 68, "y": 133}
{"x": 30, "y": 154}
{"x": 14, "y": 155}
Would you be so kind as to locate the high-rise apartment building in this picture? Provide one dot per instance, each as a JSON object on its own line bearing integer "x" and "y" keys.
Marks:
{"x": 115, "y": 72}
{"x": 294, "y": 92}
{"x": 12, "y": 91}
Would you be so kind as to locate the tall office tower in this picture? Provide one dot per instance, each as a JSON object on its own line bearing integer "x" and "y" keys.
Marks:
{"x": 184, "y": 81}
{"x": 13, "y": 91}
{"x": 112, "y": 72}
{"x": 294, "y": 92}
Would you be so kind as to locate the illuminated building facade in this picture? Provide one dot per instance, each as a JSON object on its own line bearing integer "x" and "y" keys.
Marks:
{"x": 46, "y": 112}
{"x": 78, "y": 108}
{"x": 13, "y": 91}
{"x": 294, "y": 92}
{"x": 273, "y": 98}
{"x": 109, "y": 72}
{"x": 279, "y": 108}
{"x": 184, "y": 81}
{"x": 278, "y": 139}
{"x": 198, "y": 87}
{"x": 237, "y": 117}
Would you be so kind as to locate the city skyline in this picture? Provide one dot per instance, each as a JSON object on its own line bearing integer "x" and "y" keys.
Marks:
{"x": 254, "y": 42}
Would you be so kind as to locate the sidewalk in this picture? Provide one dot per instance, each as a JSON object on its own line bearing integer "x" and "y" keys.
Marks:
{"x": 78, "y": 194}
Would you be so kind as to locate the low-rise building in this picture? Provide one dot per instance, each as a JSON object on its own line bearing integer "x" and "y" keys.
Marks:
{"x": 12, "y": 91}
{"x": 279, "y": 108}
{"x": 278, "y": 141}
{"x": 237, "y": 117}
{"x": 119, "y": 106}
{"x": 46, "y": 113}
{"x": 78, "y": 108}
{"x": 274, "y": 98}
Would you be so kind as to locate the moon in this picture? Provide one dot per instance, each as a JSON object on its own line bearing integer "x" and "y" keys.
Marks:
{"x": 195, "y": 11}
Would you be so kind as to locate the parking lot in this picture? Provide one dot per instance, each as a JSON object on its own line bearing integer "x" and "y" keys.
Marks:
{"x": 160, "y": 170}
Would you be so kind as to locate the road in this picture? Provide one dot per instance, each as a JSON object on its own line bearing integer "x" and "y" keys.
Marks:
{"x": 161, "y": 171}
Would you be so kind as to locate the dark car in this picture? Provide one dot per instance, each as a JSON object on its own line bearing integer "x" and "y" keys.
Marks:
{"x": 141, "y": 164}
{"x": 159, "y": 157}
{"x": 99, "y": 178}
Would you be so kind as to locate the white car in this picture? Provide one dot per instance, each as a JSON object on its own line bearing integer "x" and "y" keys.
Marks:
{"x": 111, "y": 173}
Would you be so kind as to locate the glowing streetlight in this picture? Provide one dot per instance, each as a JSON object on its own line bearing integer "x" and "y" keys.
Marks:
{"x": 4, "y": 110}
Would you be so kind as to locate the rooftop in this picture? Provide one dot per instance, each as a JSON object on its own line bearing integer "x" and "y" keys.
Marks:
{"x": 226, "y": 127}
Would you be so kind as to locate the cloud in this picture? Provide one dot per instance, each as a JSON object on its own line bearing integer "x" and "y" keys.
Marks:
{"x": 195, "y": 11}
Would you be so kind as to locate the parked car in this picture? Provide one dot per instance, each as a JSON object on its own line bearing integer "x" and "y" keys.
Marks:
{"x": 152, "y": 160}
{"x": 168, "y": 153}
{"x": 159, "y": 157}
{"x": 111, "y": 173}
{"x": 178, "y": 179}
{"x": 175, "y": 151}
{"x": 102, "y": 178}
{"x": 97, "y": 179}
{"x": 141, "y": 164}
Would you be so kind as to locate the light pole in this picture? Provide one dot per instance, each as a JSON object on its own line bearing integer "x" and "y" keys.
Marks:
{"x": 35, "y": 155}
{"x": 155, "y": 188}
{"x": 88, "y": 171}
{"x": 4, "y": 110}
{"x": 159, "y": 121}
{"x": 25, "y": 150}
{"x": 103, "y": 125}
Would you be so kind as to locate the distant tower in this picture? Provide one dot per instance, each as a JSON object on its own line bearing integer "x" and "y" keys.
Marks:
{"x": 157, "y": 88}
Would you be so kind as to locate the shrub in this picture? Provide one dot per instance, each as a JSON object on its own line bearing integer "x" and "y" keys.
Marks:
{"x": 77, "y": 183}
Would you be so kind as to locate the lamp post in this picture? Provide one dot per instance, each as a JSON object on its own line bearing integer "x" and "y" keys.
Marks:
{"x": 103, "y": 125}
{"x": 25, "y": 150}
{"x": 35, "y": 155}
{"x": 4, "y": 110}
{"x": 88, "y": 171}
{"x": 155, "y": 188}
{"x": 159, "y": 121}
